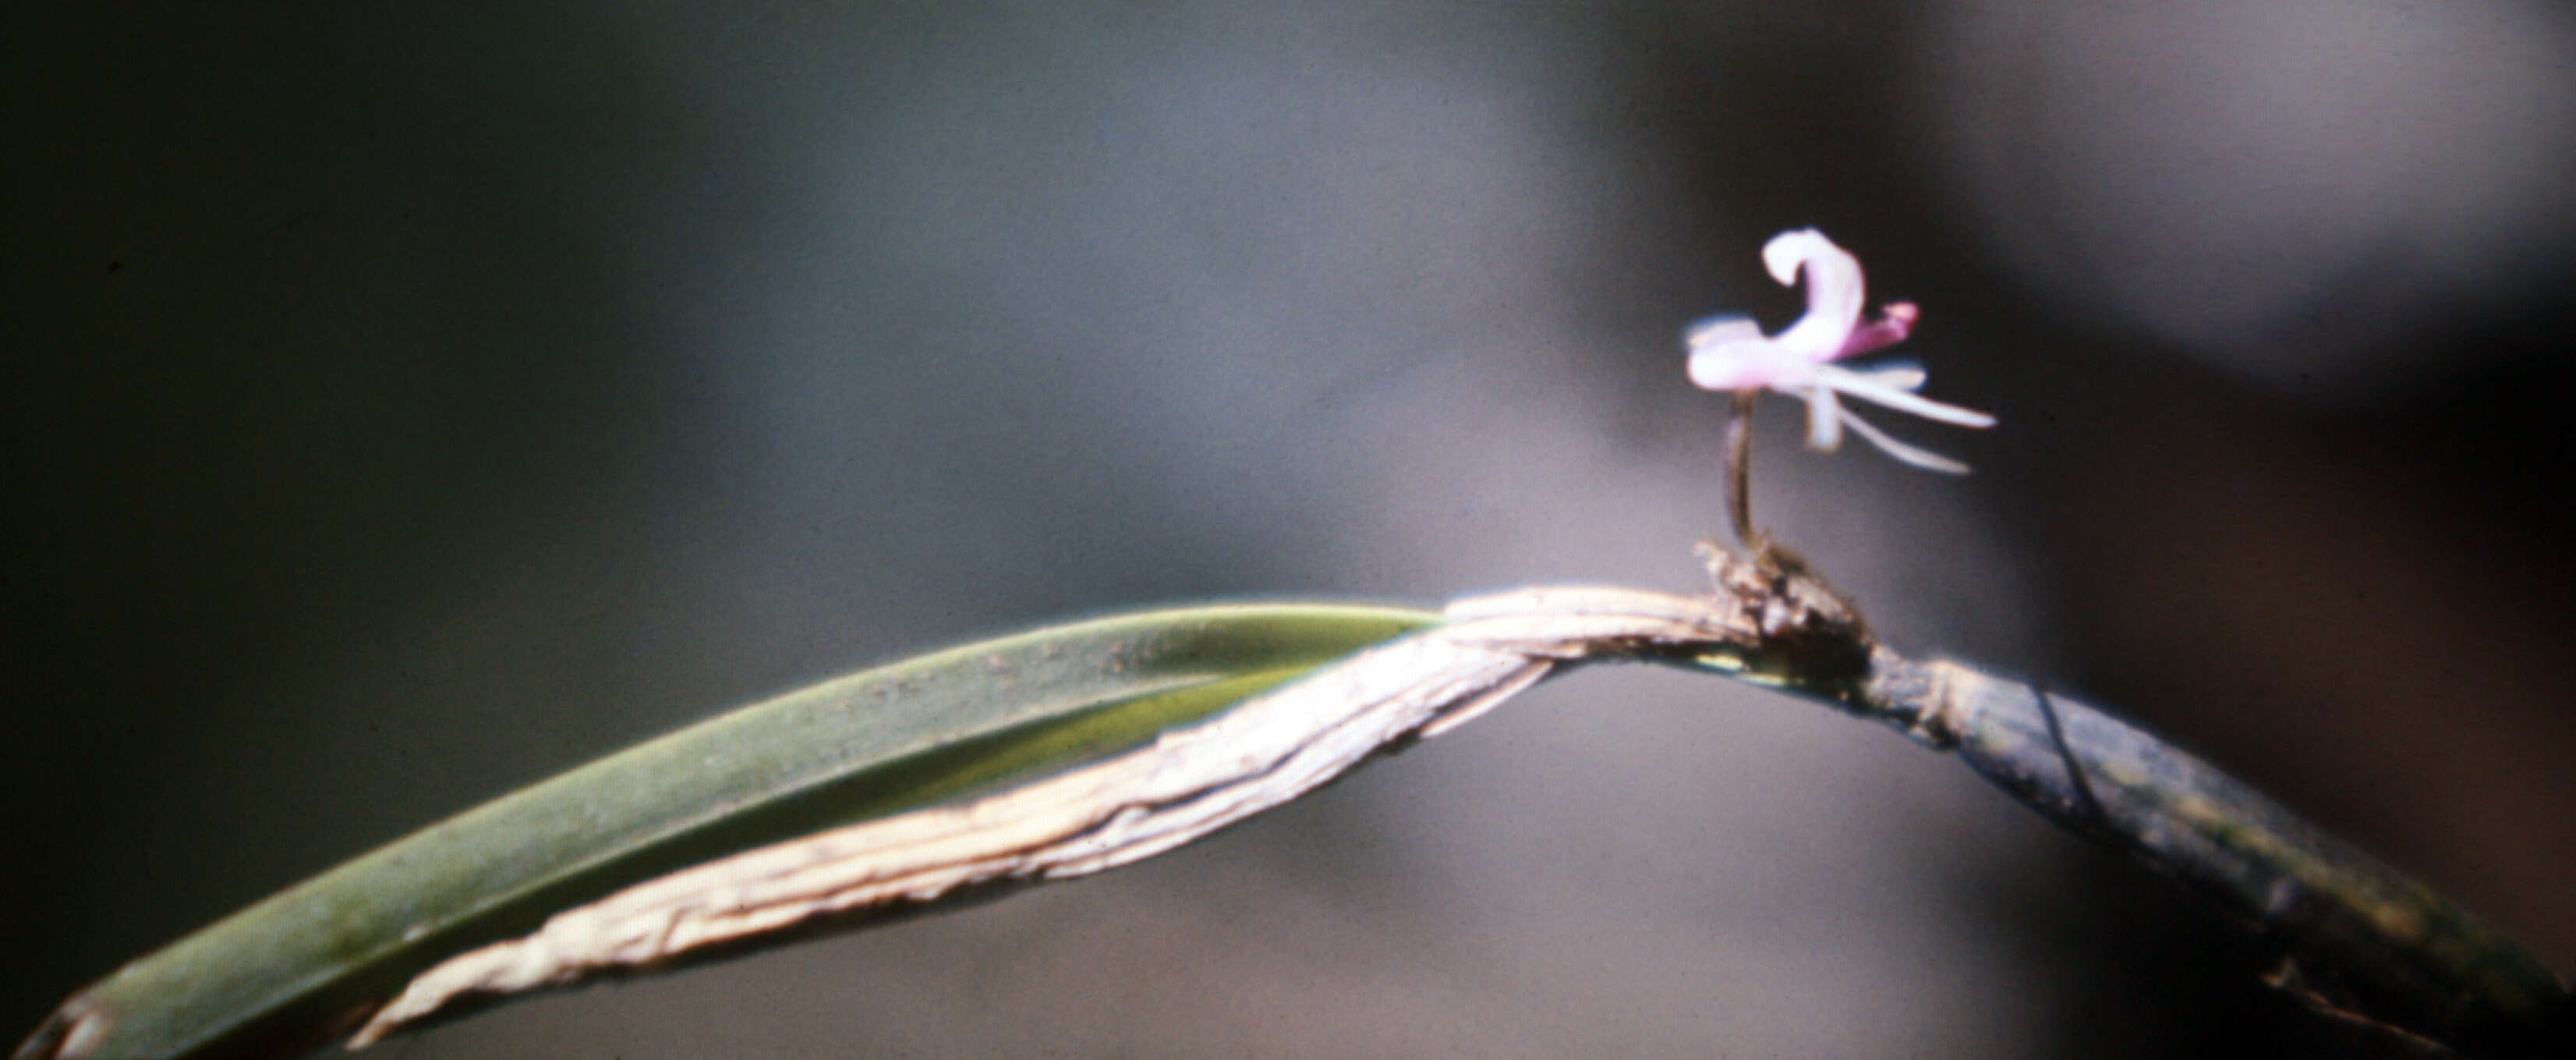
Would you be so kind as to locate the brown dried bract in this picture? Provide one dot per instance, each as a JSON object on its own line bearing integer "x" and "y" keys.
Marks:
{"x": 1809, "y": 633}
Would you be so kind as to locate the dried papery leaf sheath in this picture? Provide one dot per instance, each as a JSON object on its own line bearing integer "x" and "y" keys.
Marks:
{"x": 307, "y": 964}
{"x": 1188, "y": 783}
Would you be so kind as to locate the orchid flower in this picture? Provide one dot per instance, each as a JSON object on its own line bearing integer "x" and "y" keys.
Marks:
{"x": 1731, "y": 353}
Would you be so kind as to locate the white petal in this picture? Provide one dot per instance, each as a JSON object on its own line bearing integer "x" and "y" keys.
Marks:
{"x": 1862, "y": 386}
{"x": 1731, "y": 354}
{"x": 1928, "y": 461}
{"x": 1834, "y": 291}
{"x": 1824, "y": 419}
{"x": 1899, "y": 376}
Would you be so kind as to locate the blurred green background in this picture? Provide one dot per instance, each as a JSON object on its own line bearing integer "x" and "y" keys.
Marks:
{"x": 407, "y": 402}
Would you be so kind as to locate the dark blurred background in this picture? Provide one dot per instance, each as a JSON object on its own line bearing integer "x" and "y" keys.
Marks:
{"x": 406, "y": 402}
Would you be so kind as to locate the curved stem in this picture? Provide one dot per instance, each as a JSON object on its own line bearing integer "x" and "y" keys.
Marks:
{"x": 2358, "y": 939}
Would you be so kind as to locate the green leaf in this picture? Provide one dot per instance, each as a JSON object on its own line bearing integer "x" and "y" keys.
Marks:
{"x": 299, "y": 968}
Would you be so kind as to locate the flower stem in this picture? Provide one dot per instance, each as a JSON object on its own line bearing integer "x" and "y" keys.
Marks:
{"x": 1739, "y": 469}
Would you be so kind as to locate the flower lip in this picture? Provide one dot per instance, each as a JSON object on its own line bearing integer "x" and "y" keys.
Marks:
{"x": 1731, "y": 353}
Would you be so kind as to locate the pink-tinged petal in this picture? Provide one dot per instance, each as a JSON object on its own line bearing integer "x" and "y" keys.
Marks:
{"x": 1888, "y": 330}
{"x": 1730, "y": 353}
{"x": 1835, "y": 294}
{"x": 1722, "y": 352}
